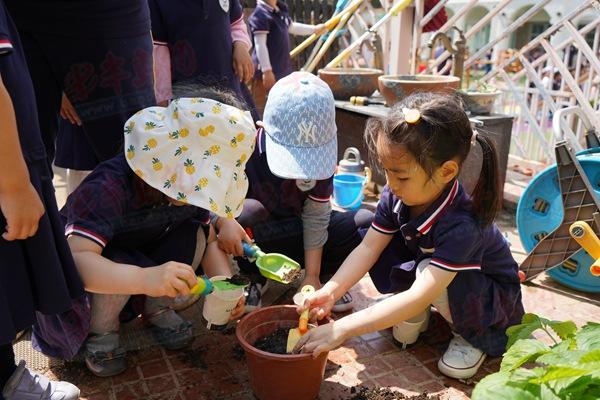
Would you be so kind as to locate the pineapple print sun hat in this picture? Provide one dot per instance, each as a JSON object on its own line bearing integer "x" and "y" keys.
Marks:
{"x": 194, "y": 151}
{"x": 299, "y": 122}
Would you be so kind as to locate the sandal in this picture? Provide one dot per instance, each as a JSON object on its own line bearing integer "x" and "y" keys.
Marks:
{"x": 105, "y": 363}
{"x": 174, "y": 337}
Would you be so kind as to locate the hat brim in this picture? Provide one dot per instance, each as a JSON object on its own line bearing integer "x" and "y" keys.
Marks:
{"x": 301, "y": 162}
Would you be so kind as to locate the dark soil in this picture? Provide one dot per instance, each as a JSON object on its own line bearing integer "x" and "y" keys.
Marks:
{"x": 291, "y": 275}
{"x": 238, "y": 352}
{"x": 275, "y": 343}
{"x": 386, "y": 394}
{"x": 238, "y": 280}
{"x": 195, "y": 357}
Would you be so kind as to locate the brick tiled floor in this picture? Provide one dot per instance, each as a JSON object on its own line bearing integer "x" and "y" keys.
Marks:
{"x": 209, "y": 368}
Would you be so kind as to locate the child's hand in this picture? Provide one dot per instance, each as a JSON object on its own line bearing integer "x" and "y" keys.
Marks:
{"x": 67, "y": 111}
{"x": 169, "y": 279}
{"x": 319, "y": 303}
{"x": 231, "y": 235}
{"x": 22, "y": 208}
{"x": 242, "y": 62}
{"x": 312, "y": 281}
{"x": 238, "y": 311}
{"x": 320, "y": 29}
{"x": 321, "y": 339}
{"x": 268, "y": 79}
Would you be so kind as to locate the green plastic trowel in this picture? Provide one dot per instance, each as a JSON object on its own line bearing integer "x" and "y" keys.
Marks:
{"x": 273, "y": 266}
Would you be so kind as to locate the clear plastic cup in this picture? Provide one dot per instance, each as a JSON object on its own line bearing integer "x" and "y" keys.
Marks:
{"x": 219, "y": 304}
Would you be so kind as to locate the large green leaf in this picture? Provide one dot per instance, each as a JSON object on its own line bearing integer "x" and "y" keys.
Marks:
{"x": 547, "y": 394}
{"x": 591, "y": 356}
{"x": 555, "y": 373}
{"x": 564, "y": 330}
{"x": 588, "y": 338}
{"x": 522, "y": 351}
{"x": 529, "y": 323}
{"x": 574, "y": 388}
{"x": 498, "y": 387}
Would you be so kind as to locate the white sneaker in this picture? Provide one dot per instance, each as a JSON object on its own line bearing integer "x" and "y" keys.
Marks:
{"x": 461, "y": 360}
{"x": 28, "y": 385}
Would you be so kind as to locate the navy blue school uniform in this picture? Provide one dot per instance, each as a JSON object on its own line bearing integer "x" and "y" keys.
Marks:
{"x": 485, "y": 295}
{"x": 134, "y": 224}
{"x": 198, "y": 34}
{"x": 273, "y": 210}
{"x": 73, "y": 149}
{"x": 276, "y": 24}
{"x": 99, "y": 52}
{"x": 38, "y": 273}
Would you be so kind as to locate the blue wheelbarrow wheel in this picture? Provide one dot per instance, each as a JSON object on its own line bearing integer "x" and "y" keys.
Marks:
{"x": 540, "y": 211}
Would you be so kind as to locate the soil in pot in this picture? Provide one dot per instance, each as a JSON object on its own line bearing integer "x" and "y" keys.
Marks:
{"x": 387, "y": 394}
{"x": 238, "y": 280}
{"x": 275, "y": 343}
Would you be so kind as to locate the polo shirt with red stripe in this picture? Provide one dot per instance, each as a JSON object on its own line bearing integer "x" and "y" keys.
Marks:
{"x": 447, "y": 232}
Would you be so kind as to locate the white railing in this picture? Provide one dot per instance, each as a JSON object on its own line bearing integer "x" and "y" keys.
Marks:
{"x": 527, "y": 77}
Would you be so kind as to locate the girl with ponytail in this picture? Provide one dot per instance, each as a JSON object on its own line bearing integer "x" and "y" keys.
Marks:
{"x": 430, "y": 243}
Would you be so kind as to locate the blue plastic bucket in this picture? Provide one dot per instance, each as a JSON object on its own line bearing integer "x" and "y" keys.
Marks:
{"x": 348, "y": 190}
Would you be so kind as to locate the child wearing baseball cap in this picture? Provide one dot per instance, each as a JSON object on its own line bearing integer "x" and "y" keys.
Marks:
{"x": 288, "y": 207}
{"x": 139, "y": 224}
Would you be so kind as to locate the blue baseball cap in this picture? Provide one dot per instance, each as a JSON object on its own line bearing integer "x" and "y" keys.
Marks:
{"x": 299, "y": 120}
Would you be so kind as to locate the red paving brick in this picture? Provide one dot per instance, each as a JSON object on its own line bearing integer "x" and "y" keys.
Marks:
{"x": 376, "y": 367}
{"x": 131, "y": 391}
{"x": 154, "y": 368}
{"x": 382, "y": 345}
{"x": 160, "y": 384}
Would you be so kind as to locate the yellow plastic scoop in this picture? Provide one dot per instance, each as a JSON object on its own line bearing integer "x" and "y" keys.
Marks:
{"x": 585, "y": 236}
{"x": 295, "y": 334}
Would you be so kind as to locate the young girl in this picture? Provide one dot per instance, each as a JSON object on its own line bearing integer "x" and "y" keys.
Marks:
{"x": 288, "y": 204}
{"x": 430, "y": 242}
{"x": 37, "y": 273}
{"x": 271, "y": 25}
{"x": 139, "y": 223}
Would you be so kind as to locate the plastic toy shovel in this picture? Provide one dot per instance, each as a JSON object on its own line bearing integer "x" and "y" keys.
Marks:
{"x": 273, "y": 266}
{"x": 295, "y": 334}
{"x": 205, "y": 286}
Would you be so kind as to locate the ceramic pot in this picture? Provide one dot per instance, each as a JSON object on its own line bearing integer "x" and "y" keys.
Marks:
{"x": 278, "y": 376}
{"x": 347, "y": 82}
{"x": 396, "y": 87}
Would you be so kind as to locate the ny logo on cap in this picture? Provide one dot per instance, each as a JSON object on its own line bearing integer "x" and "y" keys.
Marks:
{"x": 307, "y": 132}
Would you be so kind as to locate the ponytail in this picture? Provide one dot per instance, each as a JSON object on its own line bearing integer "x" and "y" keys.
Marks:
{"x": 487, "y": 198}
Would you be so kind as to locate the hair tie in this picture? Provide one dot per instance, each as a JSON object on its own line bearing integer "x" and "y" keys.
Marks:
{"x": 474, "y": 138}
{"x": 411, "y": 115}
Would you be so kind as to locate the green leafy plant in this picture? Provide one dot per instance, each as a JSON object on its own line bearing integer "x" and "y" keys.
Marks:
{"x": 481, "y": 87}
{"x": 568, "y": 369}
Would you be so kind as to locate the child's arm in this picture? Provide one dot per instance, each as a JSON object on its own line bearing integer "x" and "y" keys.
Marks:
{"x": 101, "y": 275}
{"x": 400, "y": 307}
{"x": 315, "y": 221}
{"x": 162, "y": 73}
{"x": 358, "y": 263}
{"x": 264, "y": 62}
{"x": 242, "y": 62}
{"x": 297, "y": 28}
{"x": 19, "y": 202}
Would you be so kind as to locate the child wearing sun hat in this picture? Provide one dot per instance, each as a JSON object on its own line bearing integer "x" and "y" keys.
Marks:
{"x": 140, "y": 223}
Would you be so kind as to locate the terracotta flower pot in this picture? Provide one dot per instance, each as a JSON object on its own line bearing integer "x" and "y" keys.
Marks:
{"x": 396, "y": 87}
{"x": 479, "y": 103}
{"x": 278, "y": 376}
{"x": 347, "y": 82}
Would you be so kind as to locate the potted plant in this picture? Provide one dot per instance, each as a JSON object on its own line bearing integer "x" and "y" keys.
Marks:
{"x": 480, "y": 98}
{"x": 569, "y": 368}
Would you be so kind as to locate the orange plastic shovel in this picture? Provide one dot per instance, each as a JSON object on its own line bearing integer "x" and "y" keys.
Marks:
{"x": 295, "y": 334}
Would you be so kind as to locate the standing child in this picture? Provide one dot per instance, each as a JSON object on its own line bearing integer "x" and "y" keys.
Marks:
{"x": 201, "y": 42}
{"x": 288, "y": 205}
{"x": 430, "y": 242}
{"x": 37, "y": 273}
{"x": 271, "y": 25}
{"x": 138, "y": 224}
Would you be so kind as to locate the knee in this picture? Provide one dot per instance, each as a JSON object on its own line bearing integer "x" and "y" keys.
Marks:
{"x": 253, "y": 213}
{"x": 363, "y": 218}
